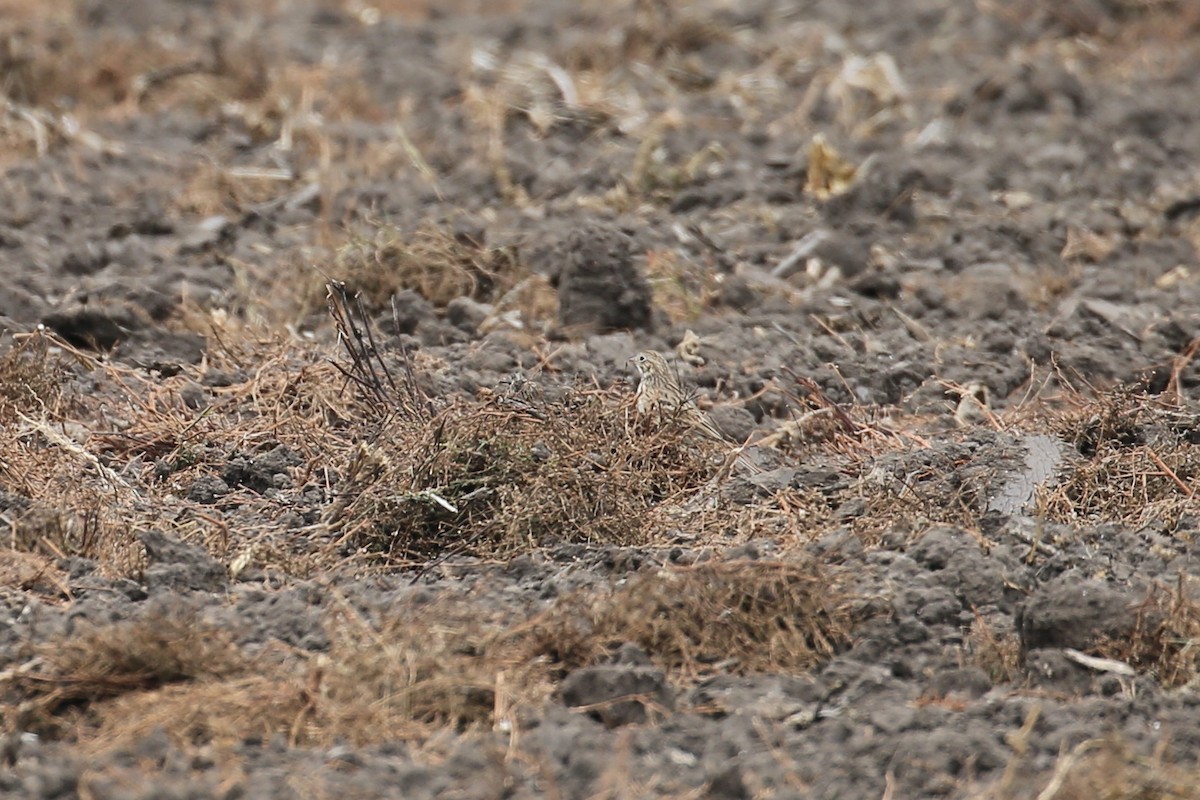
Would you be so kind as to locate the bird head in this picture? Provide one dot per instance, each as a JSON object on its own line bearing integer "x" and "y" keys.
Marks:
{"x": 645, "y": 361}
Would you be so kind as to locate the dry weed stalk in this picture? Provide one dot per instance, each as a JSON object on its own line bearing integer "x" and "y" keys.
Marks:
{"x": 367, "y": 369}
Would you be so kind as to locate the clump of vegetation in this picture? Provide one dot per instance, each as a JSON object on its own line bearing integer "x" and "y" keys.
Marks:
{"x": 31, "y": 378}
{"x": 737, "y": 616}
{"x": 1166, "y": 626}
{"x": 416, "y": 668}
{"x": 491, "y": 477}
{"x": 511, "y": 474}
{"x": 67, "y": 676}
{"x": 433, "y": 261}
{"x": 1139, "y": 461}
{"x": 1105, "y": 767}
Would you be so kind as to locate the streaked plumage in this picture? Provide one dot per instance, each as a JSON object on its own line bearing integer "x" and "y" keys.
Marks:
{"x": 659, "y": 393}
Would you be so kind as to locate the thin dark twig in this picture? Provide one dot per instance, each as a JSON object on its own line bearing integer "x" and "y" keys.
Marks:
{"x": 367, "y": 368}
{"x": 374, "y": 350}
{"x": 361, "y": 352}
{"x": 350, "y": 338}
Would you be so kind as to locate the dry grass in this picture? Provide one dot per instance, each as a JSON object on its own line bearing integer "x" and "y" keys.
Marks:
{"x": 682, "y": 288}
{"x": 59, "y": 499}
{"x": 427, "y": 667}
{"x": 32, "y": 573}
{"x": 421, "y": 667}
{"x": 510, "y": 474}
{"x": 910, "y": 490}
{"x": 1139, "y": 462}
{"x": 93, "y": 453}
{"x": 1108, "y": 769}
{"x": 1105, "y": 767}
{"x": 80, "y": 471}
{"x": 433, "y": 261}
{"x": 491, "y": 477}
{"x": 65, "y": 678}
{"x": 718, "y": 617}
{"x": 31, "y": 379}
{"x": 1130, "y": 458}
{"x": 996, "y": 652}
{"x": 54, "y": 59}
{"x": 656, "y": 33}
{"x": 1163, "y": 640}
{"x": 523, "y": 467}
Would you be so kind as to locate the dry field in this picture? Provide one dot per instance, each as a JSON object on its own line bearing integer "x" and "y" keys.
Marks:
{"x": 320, "y": 471}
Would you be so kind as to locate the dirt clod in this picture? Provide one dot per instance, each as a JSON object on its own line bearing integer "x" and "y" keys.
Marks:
{"x": 600, "y": 287}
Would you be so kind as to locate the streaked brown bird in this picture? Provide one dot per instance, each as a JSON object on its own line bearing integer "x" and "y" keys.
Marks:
{"x": 659, "y": 393}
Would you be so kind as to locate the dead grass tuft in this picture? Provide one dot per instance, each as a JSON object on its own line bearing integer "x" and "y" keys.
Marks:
{"x": 682, "y": 288}
{"x": 217, "y": 189}
{"x": 1107, "y": 768}
{"x": 998, "y": 653}
{"x": 372, "y": 468}
{"x": 58, "y": 498}
{"x": 901, "y": 489}
{"x": 423, "y": 668}
{"x": 1140, "y": 465}
{"x": 1115, "y": 419}
{"x": 104, "y": 662}
{"x": 735, "y": 616}
{"x": 657, "y": 33}
{"x": 1163, "y": 640}
{"x": 28, "y": 572}
{"x": 417, "y": 668}
{"x": 432, "y": 261}
{"x": 496, "y": 478}
{"x": 31, "y": 379}
{"x": 448, "y": 663}
{"x": 255, "y": 704}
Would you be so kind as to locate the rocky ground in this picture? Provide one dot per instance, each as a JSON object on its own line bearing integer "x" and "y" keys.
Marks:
{"x": 319, "y": 470}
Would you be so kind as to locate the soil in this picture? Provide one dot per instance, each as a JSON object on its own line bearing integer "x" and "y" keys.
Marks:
{"x": 1024, "y": 216}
